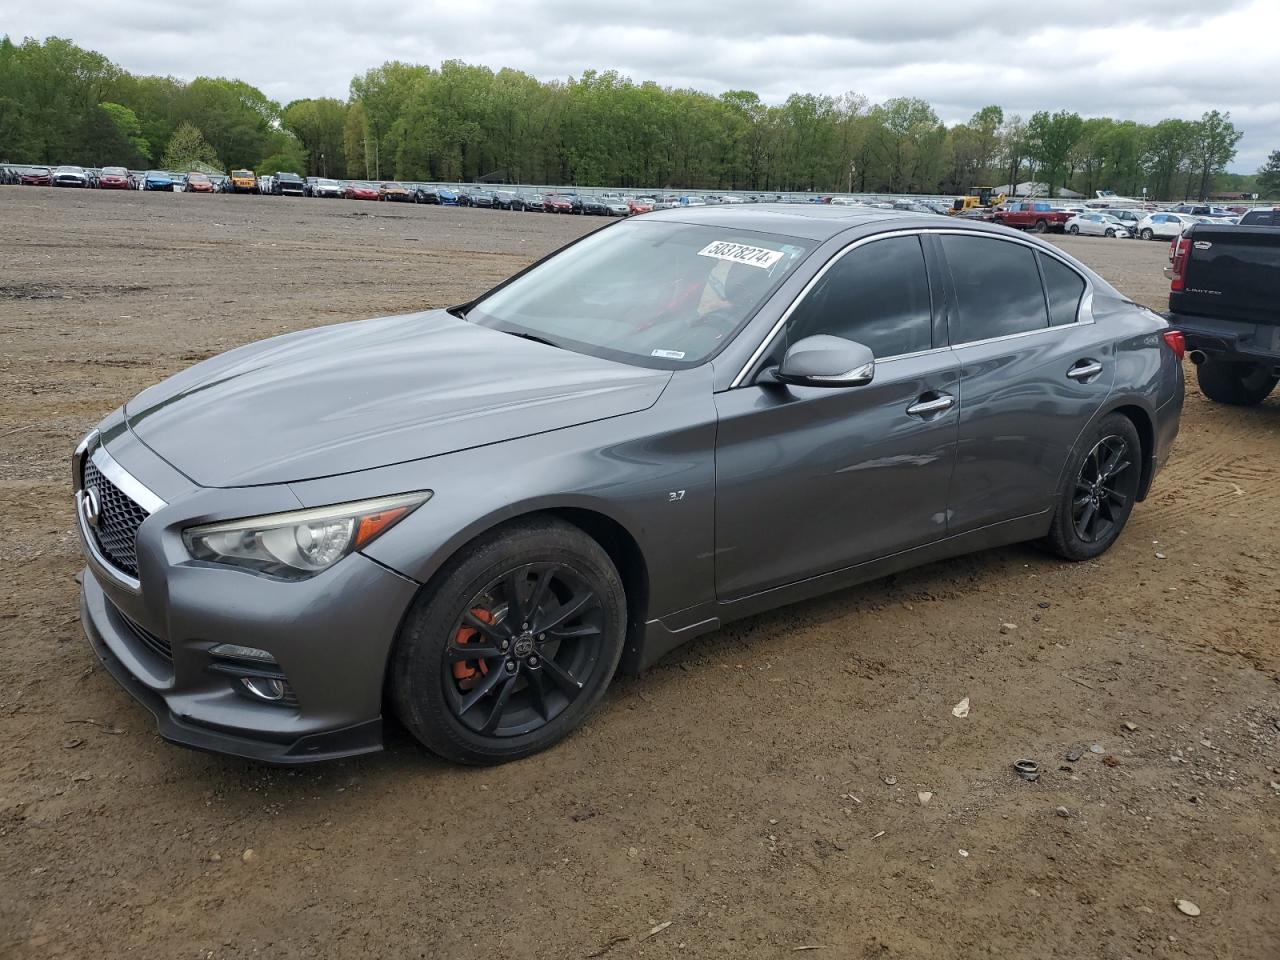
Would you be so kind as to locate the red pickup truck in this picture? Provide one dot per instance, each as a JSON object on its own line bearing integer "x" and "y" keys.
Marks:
{"x": 1037, "y": 215}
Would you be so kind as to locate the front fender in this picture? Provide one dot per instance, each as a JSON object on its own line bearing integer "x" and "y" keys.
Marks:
{"x": 651, "y": 472}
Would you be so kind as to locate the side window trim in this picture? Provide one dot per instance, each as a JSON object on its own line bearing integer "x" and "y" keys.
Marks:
{"x": 936, "y": 264}
{"x": 939, "y": 289}
{"x": 750, "y": 368}
{"x": 1044, "y": 292}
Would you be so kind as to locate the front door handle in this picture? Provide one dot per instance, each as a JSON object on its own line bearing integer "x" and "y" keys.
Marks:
{"x": 925, "y": 408}
{"x": 1084, "y": 370}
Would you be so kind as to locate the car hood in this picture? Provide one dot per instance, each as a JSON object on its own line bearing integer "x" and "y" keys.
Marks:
{"x": 361, "y": 395}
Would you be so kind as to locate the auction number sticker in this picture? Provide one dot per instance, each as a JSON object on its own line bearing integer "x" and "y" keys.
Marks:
{"x": 741, "y": 253}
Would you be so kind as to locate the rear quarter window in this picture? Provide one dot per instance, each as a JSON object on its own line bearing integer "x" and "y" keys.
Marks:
{"x": 1063, "y": 288}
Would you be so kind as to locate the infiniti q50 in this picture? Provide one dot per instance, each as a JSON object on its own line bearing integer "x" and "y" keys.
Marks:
{"x": 473, "y": 518}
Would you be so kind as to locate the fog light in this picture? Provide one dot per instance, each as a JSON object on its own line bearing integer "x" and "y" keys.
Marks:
{"x": 237, "y": 652}
{"x": 264, "y": 688}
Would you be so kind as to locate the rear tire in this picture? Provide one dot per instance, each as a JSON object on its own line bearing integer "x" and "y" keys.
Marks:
{"x": 540, "y": 686}
{"x": 1237, "y": 384}
{"x": 1098, "y": 492}
{"x": 1041, "y": 227}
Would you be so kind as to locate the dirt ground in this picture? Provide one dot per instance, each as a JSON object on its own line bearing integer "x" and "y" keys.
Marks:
{"x": 756, "y": 793}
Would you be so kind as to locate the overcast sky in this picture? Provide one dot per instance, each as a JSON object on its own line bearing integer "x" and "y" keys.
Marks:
{"x": 1134, "y": 59}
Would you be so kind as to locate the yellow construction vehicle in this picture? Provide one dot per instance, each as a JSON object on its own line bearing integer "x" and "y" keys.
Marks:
{"x": 984, "y": 197}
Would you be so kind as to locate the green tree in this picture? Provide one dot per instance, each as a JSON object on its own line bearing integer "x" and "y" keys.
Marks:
{"x": 355, "y": 137}
{"x": 126, "y": 124}
{"x": 1167, "y": 154}
{"x": 907, "y": 132}
{"x": 318, "y": 125}
{"x": 1213, "y": 146}
{"x": 187, "y": 147}
{"x": 1050, "y": 140}
{"x": 1269, "y": 176}
{"x": 286, "y": 154}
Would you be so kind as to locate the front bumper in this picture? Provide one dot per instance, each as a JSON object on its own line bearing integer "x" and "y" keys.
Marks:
{"x": 330, "y": 635}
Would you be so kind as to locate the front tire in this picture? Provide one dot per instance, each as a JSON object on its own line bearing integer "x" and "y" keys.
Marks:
{"x": 540, "y": 608}
{"x": 1041, "y": 227}
{"x": 1237, "y": 384}
{"x": 1110, "y": 232}
{"x": 1074, "y": 230}
{"x": 1146, "y": 233}
{"x": 1099, "y": 490}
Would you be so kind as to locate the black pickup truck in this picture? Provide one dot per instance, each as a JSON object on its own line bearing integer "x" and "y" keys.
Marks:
{"x": 1225, "y": 298}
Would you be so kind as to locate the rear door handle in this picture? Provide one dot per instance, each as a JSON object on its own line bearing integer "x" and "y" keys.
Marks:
{"x": 925, "y": 408}
{"x": 1084, "y": 370}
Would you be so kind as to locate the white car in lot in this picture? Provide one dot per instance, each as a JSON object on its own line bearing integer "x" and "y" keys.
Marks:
{"x": 1129, "y": 219}
{"x": 1096, "y": 224}
{"x": 1166, "y": 226}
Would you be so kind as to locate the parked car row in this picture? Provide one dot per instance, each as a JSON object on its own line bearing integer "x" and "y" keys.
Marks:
{"x": 1040, "y": 215}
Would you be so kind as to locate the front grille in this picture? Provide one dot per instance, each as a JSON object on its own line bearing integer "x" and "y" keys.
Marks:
{"x": 156, "y": 644}
{"x": 119, "y": 519}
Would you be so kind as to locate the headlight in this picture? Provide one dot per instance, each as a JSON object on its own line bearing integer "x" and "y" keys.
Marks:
{"x": 300, "y": 543}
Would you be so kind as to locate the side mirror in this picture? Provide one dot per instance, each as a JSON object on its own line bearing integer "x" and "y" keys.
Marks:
{"x": 826, "y": 361}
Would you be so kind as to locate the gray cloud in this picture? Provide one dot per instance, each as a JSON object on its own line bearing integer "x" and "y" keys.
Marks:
{"x": 1142, "y": 60}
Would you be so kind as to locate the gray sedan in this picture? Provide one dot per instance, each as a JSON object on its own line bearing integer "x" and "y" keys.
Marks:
{"x": 473, "y": 518}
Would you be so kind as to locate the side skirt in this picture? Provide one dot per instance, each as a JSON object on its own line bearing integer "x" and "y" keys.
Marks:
{"x": 661, "y": 636}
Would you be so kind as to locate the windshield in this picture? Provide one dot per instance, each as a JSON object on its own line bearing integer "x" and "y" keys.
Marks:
{"x": 114, "y": 171}
{"x": 656, "y": 294}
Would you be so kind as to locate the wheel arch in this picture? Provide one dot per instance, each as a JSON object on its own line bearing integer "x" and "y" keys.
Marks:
{"x": 612, "y": 536}
{"x": 1145, "y": 425}
{"x": 1142, "y": 420}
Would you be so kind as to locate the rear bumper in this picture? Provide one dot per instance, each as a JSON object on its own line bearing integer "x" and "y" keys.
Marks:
{"x": 1229, "y": 339}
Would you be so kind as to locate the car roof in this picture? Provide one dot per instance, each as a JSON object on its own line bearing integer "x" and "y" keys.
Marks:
{"x": 815, "y": 221}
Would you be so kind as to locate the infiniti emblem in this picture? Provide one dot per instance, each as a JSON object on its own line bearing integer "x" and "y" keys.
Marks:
{"x": 92, "y": 507}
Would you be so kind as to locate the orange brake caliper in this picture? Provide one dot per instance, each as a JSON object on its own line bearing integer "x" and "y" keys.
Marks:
{"x": 467, "y": 672}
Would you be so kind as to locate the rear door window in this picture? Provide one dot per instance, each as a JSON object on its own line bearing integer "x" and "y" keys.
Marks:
{"x": 1063, "y": 289}
{"x": 997, "y": 288}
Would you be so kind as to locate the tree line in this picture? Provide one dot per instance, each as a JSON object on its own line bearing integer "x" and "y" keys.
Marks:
{"x": 60, "y": 103}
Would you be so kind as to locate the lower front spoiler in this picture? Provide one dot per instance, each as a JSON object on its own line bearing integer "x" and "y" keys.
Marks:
{"x": 350, "y": 741}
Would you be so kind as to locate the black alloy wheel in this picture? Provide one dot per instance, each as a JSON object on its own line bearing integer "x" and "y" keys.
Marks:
{"x": 1104, "y": 489}
{"x": 512, "y": 643}
{"x": 526, "y": 647}
{"x": 1100, "y": 486}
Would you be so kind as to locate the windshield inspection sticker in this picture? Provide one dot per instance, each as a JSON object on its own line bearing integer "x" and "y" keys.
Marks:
{"x": 668, "y": 354}
{"x": 741, "y": 253}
